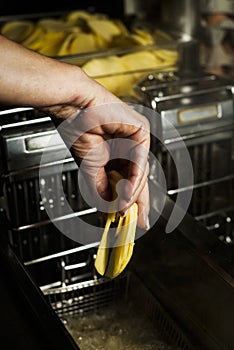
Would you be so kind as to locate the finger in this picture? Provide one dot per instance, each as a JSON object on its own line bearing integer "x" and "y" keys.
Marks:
{"x": 101, "y": 181}
{"x": 134, "y": 186}
{"x": 143, "y": 202}
{"x": 138, "y": 167}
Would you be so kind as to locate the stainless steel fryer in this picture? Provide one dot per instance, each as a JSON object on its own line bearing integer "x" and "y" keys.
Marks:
{"x": 182, "y": 282}
{"x": 60, "y": 267}
{"x": 158, "y": 279}
{"x": 199, "y": 107}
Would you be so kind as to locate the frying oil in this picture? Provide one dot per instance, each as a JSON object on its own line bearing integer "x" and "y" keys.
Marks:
{"x": 116, "y": 327}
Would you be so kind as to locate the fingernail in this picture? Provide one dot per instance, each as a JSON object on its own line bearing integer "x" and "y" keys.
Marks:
{"x": 147, "y": 224}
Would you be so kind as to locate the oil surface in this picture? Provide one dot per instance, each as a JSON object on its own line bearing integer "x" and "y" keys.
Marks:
{"x": 118, "y": 327}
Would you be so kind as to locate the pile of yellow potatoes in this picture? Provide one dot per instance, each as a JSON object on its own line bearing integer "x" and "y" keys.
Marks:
{"x": 81, "y": 32}
{"x": 119, "y": 74}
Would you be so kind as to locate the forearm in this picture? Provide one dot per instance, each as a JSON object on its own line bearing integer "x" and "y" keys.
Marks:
{"x": 30, "y": 79}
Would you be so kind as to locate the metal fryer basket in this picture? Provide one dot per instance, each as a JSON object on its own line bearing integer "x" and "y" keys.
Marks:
{"x": 81, "y": 293}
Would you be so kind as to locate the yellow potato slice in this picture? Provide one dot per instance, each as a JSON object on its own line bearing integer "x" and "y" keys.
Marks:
{"x": 108, "y": 72}
{"x": 136, "y": 64}
{"x": 123, "y": 29}
{"x": 51, "y": 43}
{"x": 142, "y": 37}
{"x": 103, "y": 66}
{"x": 125, "y": 235}
{"x": 166, "y": 55}
{"x": 139, "y": 60}
{"x": 76, "y": 43}
{"x": 119, "y": 74}
{"x": 112, "y": 262}
{"x": 101, "y": 260}
{"x": 34, "y": 40}
{"x": 83, "y": 42}
{"x": 17, "y": 30}
{"x": 100, "y": 42}
{"x": 161, "y": 37}
{"x": 65, "y": 47}
{"x": 105, "y": 28}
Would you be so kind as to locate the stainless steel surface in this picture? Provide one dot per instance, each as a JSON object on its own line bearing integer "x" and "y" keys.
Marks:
{"x": 197, "y": 110}
{"x": 25, "y": 134}
{"x": 189, "y": 58}
{"x": 186, "y": 16}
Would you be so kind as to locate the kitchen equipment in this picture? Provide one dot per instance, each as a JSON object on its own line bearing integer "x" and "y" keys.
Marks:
{"x": 199, "y": 111}
{"x": 58, "y": 267}
{"x": 27, "y": 320}
{"x": 64, "y": 270}
{"x": 186, "y": 18}
{"x": 185, "y": 290}
{"x": 180, "y": 281}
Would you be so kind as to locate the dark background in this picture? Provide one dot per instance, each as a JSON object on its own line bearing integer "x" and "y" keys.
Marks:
{"x": 113, "y": 7}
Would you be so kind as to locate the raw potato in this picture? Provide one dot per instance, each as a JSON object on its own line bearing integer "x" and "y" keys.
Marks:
{"x": 142, "y": 37}
{"x": 138, "y": 61}
{"x": 51, "y": 43}
{"x": 34, "y": 40}
{"x": 111, "y": 262}
{"x": 83, "y": 42}
{"x": 66, "y": 45}
{"x": 105, "y": 28}
{"x": 108, "y": 72}
{"x": 120, "y": 74}
{"x": 94, "y": 31}
{"x": 17, "y": 30}
{"x": 81, "y": 32}
{"x": 122, "y": 253}
{"x": 167, "y": 57}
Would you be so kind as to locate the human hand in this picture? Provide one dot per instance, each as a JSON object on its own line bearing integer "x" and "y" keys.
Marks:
{"x": 109, "y": 136}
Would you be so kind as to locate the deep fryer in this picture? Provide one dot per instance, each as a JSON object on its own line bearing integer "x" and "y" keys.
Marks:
{"x": 183, "y": 282}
